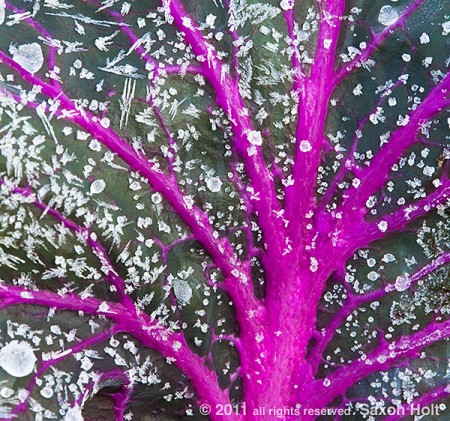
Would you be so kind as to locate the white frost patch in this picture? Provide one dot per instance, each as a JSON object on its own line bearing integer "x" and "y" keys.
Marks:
{"x": 313, "y": 264}
{"x": 214, "y": 184}
{"x": 105, "y": 122}
{"x": 427, "y": 61}
{"x": 305, "y": 146}
{"x": 163, "y": 227}
{"x": 17, "y": 358}
{"x": 388, "y": 15}
{"x": 210, "y": 20}
{"x": 387, "y": 258}
{"x": 428, "y": 171}
{"x": 326, "y": 43}
{"x": 97, "y": 186}
{"x": 424, "y": 38}
{"x": 382, "y": 359}
{"x": 446, "y": 28}
{"x": 254, "y": 137}
{"x": 186, "y": 22}
{"x": 2, "y": 11}
{"x": 436, "y": 183}
{"x": 357, "y": 91}
{"x": 188, "y": 201}
{"x": 74, "y": 414}
{"x": 406, "y": 57}
{"x": 382, "y": 226}
{"x": 103, "y": 307}
{"x": 95, "y": 145}
{"x": 29, "y": 56}
{"x": 182, "y": 291}
{"x": 251, "y": 151}
{"x": 402, "y": 283}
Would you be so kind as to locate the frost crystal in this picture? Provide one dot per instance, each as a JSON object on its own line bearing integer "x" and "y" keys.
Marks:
{"x": 406, "y": 57}
{"x": 97, "y": 186}
{"x": 446, "y": 28}
{"x": 313, "y": 264}
{"x": 74, "y": 414}
{"x": 254, "y": 137}
{"x": 388, "y": 15}
{"x": 214, "y": 184}
{"x": 156, "y": 198}
{"x": 424, "y": 38}
{"x": 182, "y": 291}
{"x": 17, "y": 358}
{"x": 29, "y": 56}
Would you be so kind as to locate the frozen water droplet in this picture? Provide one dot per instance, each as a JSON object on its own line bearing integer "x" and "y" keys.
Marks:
{"x": 97, "y": 186}
{"x": 388, "y": 15}
{"x": 373, "y": 276}
{"x": 6, "y": 392}
{"x": 156, "y": 198}
{"x": 182, "y": 291}
{"x": 214, "y": 184}
{"x": 47, "y": 392}
{"x": 29, "y": 56}
{"x": 371, "y": 262}
{"x": 402, "y": 282}
{"x": 326, "y": 382}
{"x": 286, "y": 4}
{"x": 17, "y": 358}
{"x": 74, "y": 414}
{"x": 382, "y": 359}
{"x": 305, "y": 146}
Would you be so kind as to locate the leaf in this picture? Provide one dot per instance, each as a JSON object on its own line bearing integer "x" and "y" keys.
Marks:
{"x": 240, "y": 204}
